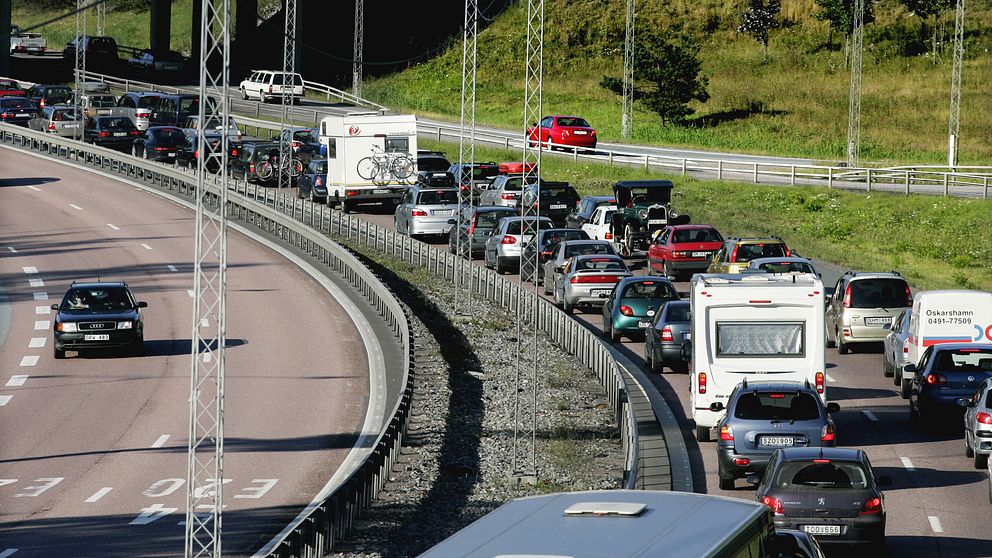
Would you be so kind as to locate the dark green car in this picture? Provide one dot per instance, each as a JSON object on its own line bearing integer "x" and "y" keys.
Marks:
{"x": 643, "y": 208}
{"x": 632, "y": 305}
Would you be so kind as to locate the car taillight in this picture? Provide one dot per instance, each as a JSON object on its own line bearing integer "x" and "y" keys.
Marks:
{"x": 666, "y": 334}
{"x": 508, "y": 239}
{"x": 196, "y": 155}
{"x": 418, "y": 213}
{"x": 984, "y": 418}
{"x": 234, "y": 152}
{"x": 936, "y": 379}
{"x": 819, "y": 382}
{"x": 142, "y": 113}
{"x": 586, "y": 278}
{"x": 103, "y": 134}
{"x": 626, "y": 310}
{"x": 506, "y": 196}
{"x": 905, "y": 349}
{"x": 733, "y": 255}
{"x": 41, "y": 103}
{"x": 909, "y": 296}
{"x": 3, "y": 115}
{"x": 251, "y": 167}
{"x": 680, "y": 254}
{"x": 351, "y": 193}
{"x": 871, "y": 506}
{"x": 774, "y": 503}
{"x": 162, "y": 148}
{"x": 135, "y": 132}
{"x": 608, "y": 236}
{"x": 828, "y": 434}
{"x": 847, "y": 296}
{"x": 295, "y": 144}
{"x": 701, "y": 382}
{"x": 51, "y": 126}
{"x": 727, "y": 433}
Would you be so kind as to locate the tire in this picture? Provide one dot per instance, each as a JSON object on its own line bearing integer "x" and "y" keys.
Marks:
{"x": 547, "y": 287}
{"x": 628, "y": 239}
{"x": 702, "y": 434}
{"x": 842, "y": 348}
{"x": 134, "y": 150}
{"x": 345, "y": 206}
{"x": 244, "y": 94}
{"x": 615, "y": 335}
{"x": 658, "y": 366}
{"x": 648, "y": 361}
{"x": 667, "y": 270}
{"x": 905, "y": 389}
{"x": 896, "y": 376}
{"x": 968, "y": 452}
{"x": 727, "y": 484}
{"x": 567, "y": 306}
{"x": 59, "y": 354}
{"x": 887, "y": 370}
{"x": 401, "y": 168}
{"x": 299, "y": 193}
{"x": 981, "y": 460}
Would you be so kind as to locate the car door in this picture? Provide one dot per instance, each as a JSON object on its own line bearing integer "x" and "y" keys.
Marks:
{"x": 494, "y": 238}
{"x": 971, "y": 411}
{"x": 403, "y": 210}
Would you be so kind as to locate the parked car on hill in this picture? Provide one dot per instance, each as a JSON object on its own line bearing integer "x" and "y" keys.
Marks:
{"x": 558, "y": 131}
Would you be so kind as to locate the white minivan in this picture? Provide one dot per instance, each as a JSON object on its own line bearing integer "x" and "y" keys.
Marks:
{"x": 948, "y": 317}
{"x": 268, "y": 84}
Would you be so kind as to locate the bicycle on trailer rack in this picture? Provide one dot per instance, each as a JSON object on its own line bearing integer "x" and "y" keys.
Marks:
{"x": 292, "y": 166}
{"x": 383, "y": 166}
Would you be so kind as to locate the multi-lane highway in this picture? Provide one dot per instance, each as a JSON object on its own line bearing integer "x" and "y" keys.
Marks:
{"x": 93, "y": 448}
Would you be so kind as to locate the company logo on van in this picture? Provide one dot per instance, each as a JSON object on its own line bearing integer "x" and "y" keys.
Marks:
{"x": 354, "y": 131}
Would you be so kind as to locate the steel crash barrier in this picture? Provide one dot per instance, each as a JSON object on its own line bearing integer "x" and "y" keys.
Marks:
{"x": 655, "y": 455}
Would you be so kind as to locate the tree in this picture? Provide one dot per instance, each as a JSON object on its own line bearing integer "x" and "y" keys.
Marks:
{"x": 840, "y": 14}
{"x": 668, "y": 76}
{"x": 927, "y": 9}
{"x": 759, "y": 19}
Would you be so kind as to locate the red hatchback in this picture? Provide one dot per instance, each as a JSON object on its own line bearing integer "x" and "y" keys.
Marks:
{"x": 563, "y": 130}
{"x": 684, "y": 249}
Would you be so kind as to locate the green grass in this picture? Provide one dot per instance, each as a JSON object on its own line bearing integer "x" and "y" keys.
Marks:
{"x": 935, "y": 242}
{"x": 795, "y": 102}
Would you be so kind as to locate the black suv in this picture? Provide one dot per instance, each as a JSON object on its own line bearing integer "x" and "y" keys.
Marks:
{"x": 98, "y": 315}
{"x": 47, "y": 95}
{"x": 557, "y": 199}
{"x": 432, "y": 161}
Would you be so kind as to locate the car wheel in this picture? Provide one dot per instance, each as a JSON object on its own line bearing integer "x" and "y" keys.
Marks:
{"x": 499, "y": 268}
{"x": 345, "y": 207}
{"x": 58, "y": 353}
{"x": 547, "y": 287}
{"x": 144, "y": 153}
{"x": 658, "y": 365}
{"x": 567, "y": 306}
{"x": 244, "y": 94}
{"x": 648, "y": 361}
{"x": 896, "y": 376}
{"x": 727, "y": 484}
{"x": 667, "y": 269}
{"x": 981, "y": 460}
{"x": 628, "y": 240}
{"x": 887, "y": 370}
{"x": 702, "y": 434}
{"x": 134, "y": 150}
{"x": 842, "y": 348}
{"x": 905, "y": 388}
{"x": 615, "y": 335}
{"x": 968, "y": 452}
{"x": 300, "y": 194}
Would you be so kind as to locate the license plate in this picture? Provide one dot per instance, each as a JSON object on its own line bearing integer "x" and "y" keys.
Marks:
{"x": 558, "y": 206}
{"x": 21, "y": 114}
{"x": 119, "y": 134}
{"x": 656, "y": 221}
{"x": 686, "y": 336}
{"x": 878, "y": 321}
{"x": 643, "y": 324}
{"x": 172, "y": 154}
{"x": 822, "y": 529}
{"x": 601, "y": 293}
{"x": 96, "y": 337}
{"x": 777, "y": 441}
{"x": 442, "y": 212}
{"x": 580, "y": 132}
{"x": 70, "y": 125}
{"x": 381, "y": 191}
{"x": 700, "y": 254}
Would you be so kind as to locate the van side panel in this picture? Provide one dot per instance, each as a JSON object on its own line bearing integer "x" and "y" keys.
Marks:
{"x": 948, "y": 317}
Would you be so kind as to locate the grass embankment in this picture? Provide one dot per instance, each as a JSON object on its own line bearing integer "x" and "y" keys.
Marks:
{"x": 935, "y": 242}
{"x": 794, "y": 103}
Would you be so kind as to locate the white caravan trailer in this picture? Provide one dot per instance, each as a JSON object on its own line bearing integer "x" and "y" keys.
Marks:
{"x": 371, "y": 157}
{"x": 754, "y": 327}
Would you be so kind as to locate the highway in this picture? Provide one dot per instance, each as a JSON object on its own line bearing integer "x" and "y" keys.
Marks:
{"x": 93, "y": 448}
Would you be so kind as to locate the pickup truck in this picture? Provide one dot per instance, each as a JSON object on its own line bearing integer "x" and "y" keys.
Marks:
{"x": 24, "y": 42}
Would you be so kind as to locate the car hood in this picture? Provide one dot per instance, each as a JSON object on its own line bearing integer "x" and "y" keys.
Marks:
{"x": 96, "y": 315}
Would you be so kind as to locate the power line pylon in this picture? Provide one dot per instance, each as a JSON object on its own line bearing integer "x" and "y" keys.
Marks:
{"x": 627, "y": 118}
{"x": 466, "y": 156}
{"x": 205, "y": 465}
{"x": 356, "y": 68}
{"x": 854, "y": 109}
{"x": 79, "y": 74}
{"x": 285, "y": 118}
{"x": 101, "y": 17}
{"x": 954, "y": 116}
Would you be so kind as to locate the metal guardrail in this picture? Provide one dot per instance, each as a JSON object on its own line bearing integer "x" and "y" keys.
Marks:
{"x": 329, "y": 92}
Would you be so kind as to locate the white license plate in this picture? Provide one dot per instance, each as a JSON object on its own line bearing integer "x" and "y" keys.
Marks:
{"x": 580, "y": 132}
{"x": 686, "y": 336}
{"x": 643, "y": 324}
{"x": 442, "y": 212}
{"x": 21, "y": 114}
{"x": 381, "y": 191}
{"x": 96, "y": 337}
{"x": 119, "y": 134}
{"x": 602, "y": 293}
{"x": 822, "y": 529}
{"x": 557, "y": 206}
{"x": 700, "y": 254}
{"x": 777, "y": 441}
{"x": 70, "y": 125}
{"x": 656, "y": 221}
{"x": 878, "y": 321}
{"x": 172, "y": 154}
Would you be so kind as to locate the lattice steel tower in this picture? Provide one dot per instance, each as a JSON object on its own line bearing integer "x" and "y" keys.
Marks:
{"x": 205, "y": 467}
{"x": 356, "y": 69}
{"x": 627, "y": 118}
{"x": 101, "y": 17}
{"x": 285, "y": 117}
{"x": 525, "y": 392}
{"x": 854, "y": 111}
{"x": 954, "y": 116}
{"x": 79, "y": 74}
{"x": 466, "y": 156}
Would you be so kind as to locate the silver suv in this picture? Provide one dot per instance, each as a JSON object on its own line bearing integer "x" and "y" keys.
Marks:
{"x": 862, "y": 305}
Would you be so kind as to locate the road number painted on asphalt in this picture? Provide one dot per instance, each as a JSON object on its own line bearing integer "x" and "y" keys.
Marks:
{"x": 151, "y": 513}
{"x": 35, "y": 491}
{"x": 257, "y": 491}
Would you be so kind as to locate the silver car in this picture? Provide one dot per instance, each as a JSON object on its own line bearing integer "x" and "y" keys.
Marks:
{"x": 895, "y": 350}
{"x": 862, "y": 304}
{"x": 588, "y": 280}
{"x": 791, "y": 264}
{"x": 978, "y": 424}
{"x": 56, "y": 119}
{"x": 567, "y": 249}
{"x": 426, "y": 210}
{"x": 506, "y": 242}
{"x": 504, "y": 191}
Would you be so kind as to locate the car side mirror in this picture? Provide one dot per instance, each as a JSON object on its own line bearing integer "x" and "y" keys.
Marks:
{"x": 754, "y": 479}
{"x": 142, "y": 304}
{"x": 686, "y": 352}
{"x": 559, "y": 268}
{"x": 832, "y": 407}
{"x": 55, "y": 307}
{"x": 884, "y": 480}
{"x": 964, "y": 402}
{"x": 716, "y": 406}
{"x": 909, "y": 369}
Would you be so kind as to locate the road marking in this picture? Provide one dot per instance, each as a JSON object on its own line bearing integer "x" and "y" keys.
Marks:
{"x": 190, "y": 292}
{"x": 161, "y": 441}
{"x": 76, "y": 207}
{"x": 41, "y": 310}
{"x": 17, "y": 380}
{"x": 7, "y": 552}
{"x": 151, "y": 513}
{"x": 4, "y": 399}
{"x": 12, "y": 249}
{"x": 830, "y": 379}
{"x": 207, "y": 357}
{"x": 907, "y": 464}
{"x": 146, "y": 247}
{"x": 42, "y": 324}
{"x": 204, "y": 322}
{"x": 871, "y": 416}
{"x": 36, "y": 282}
{"x": 98, "y": 494}
{"x": 29, "y": 360}
{"x": 28, "y": 270}
{"x": 37, "y": 342}
{"x": 35, "y": 188}
{"x": 40, "y": 295}
{"x": 172, "y": 268}
{"x": 115, "y": 227}
{"x": 935, "y": 525}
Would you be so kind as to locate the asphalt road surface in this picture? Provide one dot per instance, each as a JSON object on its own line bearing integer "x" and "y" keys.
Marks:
{"x": 93, "y": 448}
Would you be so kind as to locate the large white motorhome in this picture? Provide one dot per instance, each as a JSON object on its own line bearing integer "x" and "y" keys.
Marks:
{"x": 371, "y": 157}
{"x": 754, "y": 327}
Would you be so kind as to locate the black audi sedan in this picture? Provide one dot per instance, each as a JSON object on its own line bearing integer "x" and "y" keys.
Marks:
{"x": 98, "y": 316}
{"x": 17, "y": 110}
{"x": 159, "y": 143}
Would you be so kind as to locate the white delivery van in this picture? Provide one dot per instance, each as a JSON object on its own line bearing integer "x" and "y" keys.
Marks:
{"x": 754, "y": 327}
{"x": 948, "y": 317}
{"x": 371, "y": 157}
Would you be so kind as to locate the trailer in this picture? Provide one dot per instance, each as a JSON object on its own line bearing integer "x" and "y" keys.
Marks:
{"x": 754, "y": 327}
{"x": 370, "y": 157}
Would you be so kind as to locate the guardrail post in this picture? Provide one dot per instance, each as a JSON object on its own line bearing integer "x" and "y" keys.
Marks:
{"x": 947, "y": 177}
{"x": 438, "y": 133}
{"x": 506, "y": 140}
{"x": 907, "y": 183}
{"x": 683, "y": 167}
{"x": 792, "y": 176}
{"x": 611, "y": 158}
{"x": 830, "y": 177}
{"x": 719, "y": 170}
{"x": 645, "y": 162}
{"x": 755, "y": 172}
{"x": 985, "y": 189}
{"x": 869, "y": 179}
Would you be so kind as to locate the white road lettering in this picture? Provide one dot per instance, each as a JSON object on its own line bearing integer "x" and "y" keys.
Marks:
{"x": 40, "y": 295}
{"x": 171, "y": 485}
{"x": 37, "y": 490}
{"x": 190, "y": 293}
{"x": 207, "y": 357}
{"x": 257, "y": 491}
{"x": 171, "y": 268}
{"x": 12, "y": 249}
{"x": 151, "y": 513}
{"x": 115, "y": 227}
{"x": 17, "y": 380}
{"x": 161, "y": 441}
{"x": 41, "y": 310}
{"x": 29, "y": 360}
{"x": 208, "y": 489}
{"x": 4, "y": 399}
{"x": 42, "y": 324}
{"x": 871, "y": 416}
{"x": 5, "y": 482}
{"x": 146, "y": 247}
{"x": 907, "y": 464}
{"x": 98, "y": 494}
{"x": 36, "y": 282}
{"x": 8, "y": 552}
{"x": 37, "y": 342}
{"x": 935, "y": 525}
{"x": 76, "y": 207}
{"x": 29, "y": 269}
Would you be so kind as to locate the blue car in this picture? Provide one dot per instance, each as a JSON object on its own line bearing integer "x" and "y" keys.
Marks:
{"x": 312, "y": 183}
{"x": 946, "y": 373}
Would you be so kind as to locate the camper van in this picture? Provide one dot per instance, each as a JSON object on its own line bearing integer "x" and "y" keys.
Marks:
{"x": 371, "y": 157}
{"x": 948, "y": 317}
{"x": 755, "y": 327}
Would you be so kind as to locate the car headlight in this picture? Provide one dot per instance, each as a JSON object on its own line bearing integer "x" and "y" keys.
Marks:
{"x": 643, "y": 214}
{"x": 125, "y": 325}
{"x": 68, "y": 327}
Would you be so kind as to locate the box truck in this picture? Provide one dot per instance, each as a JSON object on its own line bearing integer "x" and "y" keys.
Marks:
{"x": 954, "y": 316}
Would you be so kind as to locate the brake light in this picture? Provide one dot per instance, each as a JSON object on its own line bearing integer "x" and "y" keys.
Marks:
{"x": 872, "y": 506}
{"x": 103, "y": 134}
{"x": 295, "y": 144}
{"x": 41, "y": 103}
{"x": 733, "y": 255}
{"x": 936, "y": 379}
{"x": 142, "y": 113}
{"x": 508, "y": 239}
{"x": 135, "y": 132}
{"x": 666, "y": 334}
{"x": 608, "y": 236}
{"x": 905, "y": 349}
{"x": 506, "y": 196}
{"x": 847, "y": 296}
{"x": 234, "y": 152}
{"x": 742, "y": 461}
{"x": 163, "y": 148}
{"x": 680, "y": 254}
{"x": 586, "y": 278}
{"x": 821, "y": 461}
{"x": 727, "y": 433}
{"x": 909, "y": 296}
{"x": 418, "y": 213}
{"x": 251, "y": 166}
{"x": 774, "y": 503}
{"x": 51, "y": 126}
{"x": 984, "y": 418}
{"x": 828, "y": 434}
{"x": 351, "y": 193}
{"x": 701, "y": 382}
{"x": 760, "y": 301}
{"x": 626, "y": 310}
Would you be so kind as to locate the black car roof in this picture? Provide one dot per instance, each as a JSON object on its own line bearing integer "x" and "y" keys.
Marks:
{"x": 956, "y": 346}
{"x": 809, "y": 454}
{"x": 644, "y": 184}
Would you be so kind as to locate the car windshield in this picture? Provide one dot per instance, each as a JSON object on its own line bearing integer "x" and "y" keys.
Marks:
{"x": 976, "y": 360}
{"x": 117, "y": 122}
{"x": 831, "y": 474}
{"x": 777, "y": 405}
{"x": 301, "y": 135}
{"x": 650, "y": 195}
{"x": 573, "y": 121}
{"x": 592, "y": 248}
{"x": 879, "y": 293}
{"x": 438, "y": 197}
{"x": 96, "y": 299}
{"x": 102, "y": 101}
{"x": 748, "y": 252}
{"x": 169, "y": 134}
{"x": 697, "y": 235}
{"x": 600, "y": 264}
{"x": 16, "y": 104}
{"x": 787, "y": 267}
{"x": 678, "y": 313}
{"x": 147, "y": 101}
{"x": 515, "y": 226}
{"x": 488, "y": 219}
{"x": 650, "y": 289}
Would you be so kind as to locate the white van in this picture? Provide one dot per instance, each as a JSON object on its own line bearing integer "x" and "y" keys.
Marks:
{"x": 948, "y": 317}
{"x": 754, "y": 327}
{"x": 371, "y": 157}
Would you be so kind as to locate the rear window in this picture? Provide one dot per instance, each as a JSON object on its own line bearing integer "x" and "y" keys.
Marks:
{"x": 697, "y": 235}
{"x": 879, "y": 293}
{"x": 835, "y": 474}
{"x": 484, "y": 172}
{"x": 573, "y": 121}
{"x": 319, "y": 168}
{"x": 600, "y": 264}
{"x": 678, "y": 313}
{"x": 488, "y": 219}
{"x": 116, "y": 123}
{"x": 515, "y": 226}
{"x": 438, "y": 197}
{"x": 147, "y": 101}
{"x": 582, "y": 249}
{"x": 103, "y": 101}
{"x": 748, "y": 252}
{"x": 963, "y": 360}
{"x": 514, "y": 184}
{"x": 432, "y": 164}
{"x": 169, "y": 134}
{"x": 189, "y": 105}
{"x": 559, "y": 195}
{"x": 57, "y": 94}
{"x": 16, "y": 103}
{"x": 650, "y": 289}
{"x": 63, "y": 114}
{"x": 291, "y": 79}
{"x": 760, "y": 339}
{"x": 566, "y": 234}
{"x": 787, "y": 267}
{"x": 777, "y": 406}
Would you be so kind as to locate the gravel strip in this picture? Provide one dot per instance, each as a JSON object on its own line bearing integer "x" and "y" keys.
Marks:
{"x": 456, "y": 463}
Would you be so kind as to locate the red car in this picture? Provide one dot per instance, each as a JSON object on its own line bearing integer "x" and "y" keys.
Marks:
{"x": 683, "y": 249}
{"x": 563, "y": 130}
{"x": 10, "y": 88}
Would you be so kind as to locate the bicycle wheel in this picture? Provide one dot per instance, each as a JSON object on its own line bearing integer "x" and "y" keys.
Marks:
{"x": 402, "y": 167}
{"x": 264, "y": 170}
{"x": 294, "y": 167}
{"x": 368, "y": 168}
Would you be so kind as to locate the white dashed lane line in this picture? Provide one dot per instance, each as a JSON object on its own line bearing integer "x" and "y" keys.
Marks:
{"x": 871, "y": 416}
{"x": 76, "y": 207}
{"x": 98, "y": 494}
{"x": 41, "y": 310}
{"x": 42, "y": 324}
{"x": 935, "y": 525}
{"x": 36, "y": 282}
{"x": 12, "y": 249}
{"x": 29, "y": 360}
{"x": 171, "y": 268}
{"x": 115, "y": 227}
{"x": 8, "y": 552}
{"x": 17, "y": 380}
{"x": 41, "y": 295}
{"x": 161, "y": 440}
{"x": 28, "y": 270}
{"x": 907, "y": 464}
{"x": 4, "y": 399}
{"x": 37, "y": 342}
{"x": 146, "y": 247}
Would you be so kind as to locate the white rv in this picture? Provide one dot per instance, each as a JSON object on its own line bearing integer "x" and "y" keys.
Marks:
{"x": 754, "y": 327}
{"x": 371, "y": 157}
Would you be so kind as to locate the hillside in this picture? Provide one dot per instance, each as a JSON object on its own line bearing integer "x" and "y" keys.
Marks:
{"x": 795, "y": 102}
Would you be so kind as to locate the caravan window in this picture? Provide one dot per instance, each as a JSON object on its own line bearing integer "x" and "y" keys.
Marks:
{"x": 398, "y": 144}
{"x": 760, "y": 339}
{"x": 332, "y": 148}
